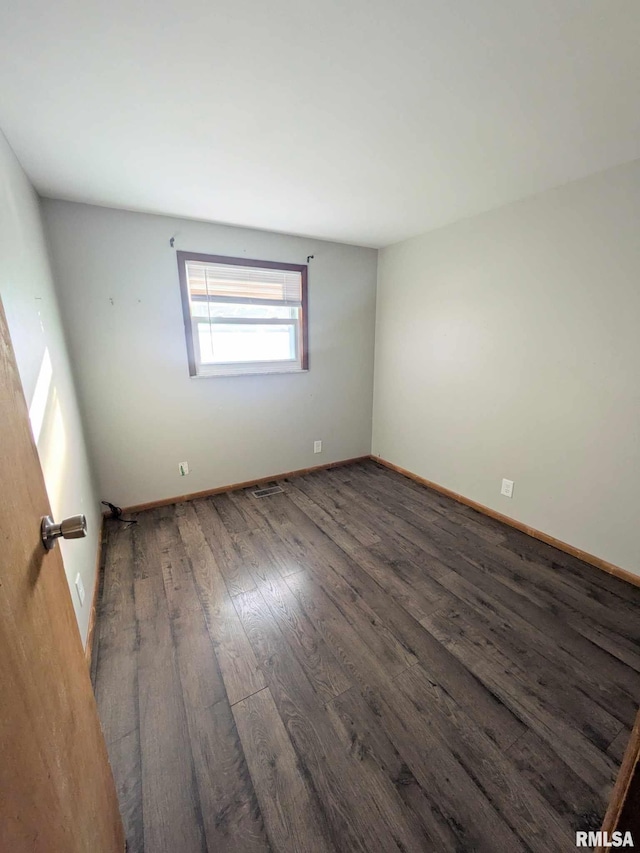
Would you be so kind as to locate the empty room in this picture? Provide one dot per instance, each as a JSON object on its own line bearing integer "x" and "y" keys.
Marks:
{"x": 319, "y": 426}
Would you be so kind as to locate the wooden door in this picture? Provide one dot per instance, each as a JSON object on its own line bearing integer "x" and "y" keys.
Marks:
{"x": 623, "y": 813}
{"x": 56, "y": 789}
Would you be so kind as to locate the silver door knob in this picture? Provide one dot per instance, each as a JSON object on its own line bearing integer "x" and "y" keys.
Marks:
{"x": 74, "y": 527}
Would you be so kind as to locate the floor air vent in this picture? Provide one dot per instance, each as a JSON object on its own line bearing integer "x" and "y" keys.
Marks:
{"x": 266, "y": 493}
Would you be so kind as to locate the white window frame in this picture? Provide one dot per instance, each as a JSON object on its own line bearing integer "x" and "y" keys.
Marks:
{"x": 191, "y": 321}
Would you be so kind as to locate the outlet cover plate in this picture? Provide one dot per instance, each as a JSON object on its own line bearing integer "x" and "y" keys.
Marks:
{"x": 80, "y": 589}
{"x": 507, "y": 488}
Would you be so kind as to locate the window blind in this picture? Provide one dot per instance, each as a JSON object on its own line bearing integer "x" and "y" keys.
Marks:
{"x": 227, "y": 283}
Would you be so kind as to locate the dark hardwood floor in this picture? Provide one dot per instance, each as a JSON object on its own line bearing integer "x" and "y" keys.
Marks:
{"x": 358, "y": 664}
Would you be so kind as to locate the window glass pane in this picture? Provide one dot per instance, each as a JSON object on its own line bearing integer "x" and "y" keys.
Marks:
{"x": 231, "y": 309}
{"x": 224, "y": 344}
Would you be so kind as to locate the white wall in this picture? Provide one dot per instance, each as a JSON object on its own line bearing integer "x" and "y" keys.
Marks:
{"x": 29, "y": 299}
{"x": 508, "y": 345}
{"x": 119, "y": 288}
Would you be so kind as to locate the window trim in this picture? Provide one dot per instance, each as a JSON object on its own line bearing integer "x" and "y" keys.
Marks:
{"x": 183, "y": 257}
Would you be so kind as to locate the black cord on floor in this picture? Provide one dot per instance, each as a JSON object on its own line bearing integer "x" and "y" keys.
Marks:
{"x": 116, "y": 512}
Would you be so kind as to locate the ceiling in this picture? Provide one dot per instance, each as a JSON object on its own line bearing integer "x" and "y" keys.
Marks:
{"x": 364, "y": 121}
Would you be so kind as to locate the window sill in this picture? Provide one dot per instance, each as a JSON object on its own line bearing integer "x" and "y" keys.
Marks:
{"x": 249, "y": 373}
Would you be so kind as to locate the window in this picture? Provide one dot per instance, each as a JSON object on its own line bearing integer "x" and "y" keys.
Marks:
{"x": 243, "y": 316}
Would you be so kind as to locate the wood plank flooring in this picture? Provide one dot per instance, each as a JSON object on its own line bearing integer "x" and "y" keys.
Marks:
{"x": 358, "y": 664}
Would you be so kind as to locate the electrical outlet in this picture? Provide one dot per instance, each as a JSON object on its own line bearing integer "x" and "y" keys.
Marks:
{"x": 183, "y": 468}
{"x": 317, "y": 447}
{"x": 80, "y": 589}
{"x": 507, "y": 488}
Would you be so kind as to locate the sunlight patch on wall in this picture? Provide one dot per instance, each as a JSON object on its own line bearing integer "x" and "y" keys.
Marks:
{"x": 52, "y": 449}
{"x": 40, "y": 399}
